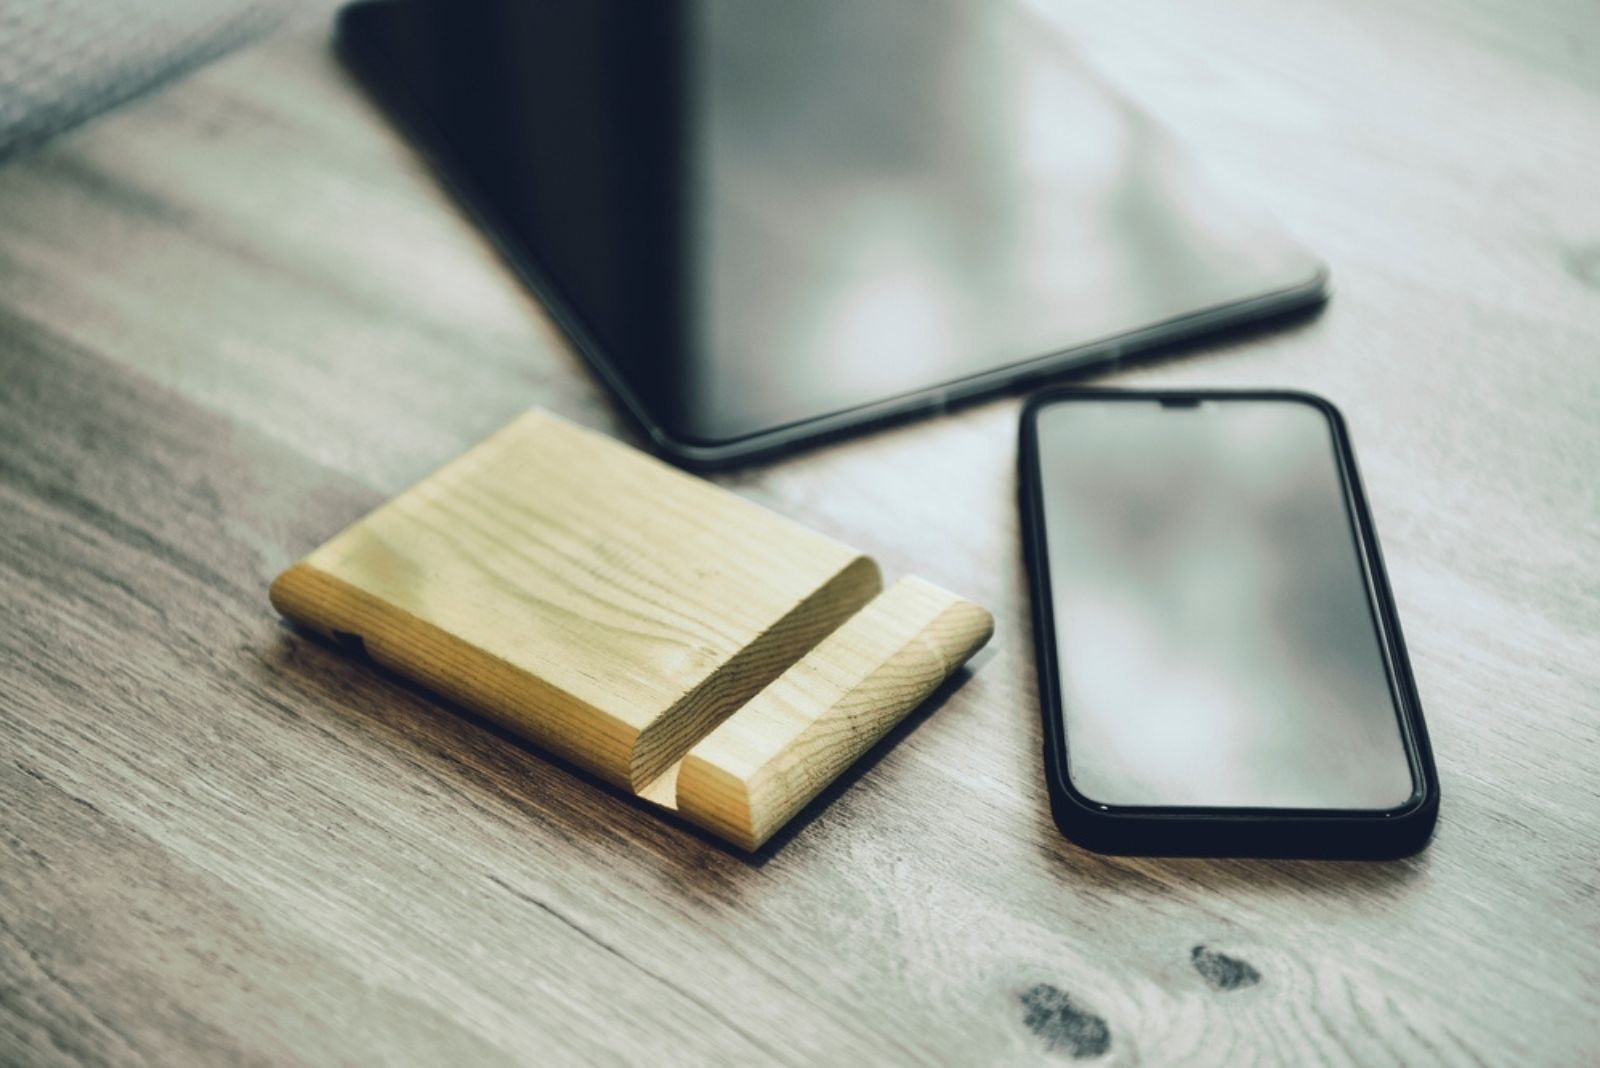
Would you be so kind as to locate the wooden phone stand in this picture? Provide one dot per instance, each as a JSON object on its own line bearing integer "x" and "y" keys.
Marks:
{"x": 675, "y": 639}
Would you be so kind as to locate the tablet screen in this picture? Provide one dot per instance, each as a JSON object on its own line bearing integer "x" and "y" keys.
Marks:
{"x": 761, "y": 216}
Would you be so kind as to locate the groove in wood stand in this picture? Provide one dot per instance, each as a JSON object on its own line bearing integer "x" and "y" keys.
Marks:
{"x": 673, "y": 638}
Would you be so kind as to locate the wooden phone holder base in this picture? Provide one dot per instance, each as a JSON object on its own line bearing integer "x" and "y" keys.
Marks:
{"x": 675, "y": 639}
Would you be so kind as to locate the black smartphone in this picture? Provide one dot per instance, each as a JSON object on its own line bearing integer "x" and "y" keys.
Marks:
{"x": 1221, "y": 669}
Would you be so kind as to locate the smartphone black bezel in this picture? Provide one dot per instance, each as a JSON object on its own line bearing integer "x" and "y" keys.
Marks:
{"x": 1181, "y": 831}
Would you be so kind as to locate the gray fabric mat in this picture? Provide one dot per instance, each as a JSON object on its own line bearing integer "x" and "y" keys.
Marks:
{"x": 65, "y": 61}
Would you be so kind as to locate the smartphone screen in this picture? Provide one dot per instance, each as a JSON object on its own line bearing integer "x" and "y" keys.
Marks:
{"x": 1216, "y": 639}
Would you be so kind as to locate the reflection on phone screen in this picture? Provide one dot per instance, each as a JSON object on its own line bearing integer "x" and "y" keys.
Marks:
{"x": 1215, "y": 635}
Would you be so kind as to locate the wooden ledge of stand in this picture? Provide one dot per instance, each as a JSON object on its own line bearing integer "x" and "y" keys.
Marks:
{"x": 752, "y": 774}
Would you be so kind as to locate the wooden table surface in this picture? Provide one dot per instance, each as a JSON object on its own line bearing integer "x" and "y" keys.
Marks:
{"x": 237, "y": 315}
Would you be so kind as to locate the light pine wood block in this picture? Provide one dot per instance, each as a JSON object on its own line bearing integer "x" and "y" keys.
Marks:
{"x": 748, "y": 777}
{"x": 616, "y": 611}
{"x": 591, "y": 598}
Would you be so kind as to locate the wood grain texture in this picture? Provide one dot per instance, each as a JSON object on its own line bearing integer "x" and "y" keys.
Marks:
{"x": 591, "y": 598}
{"x": 629, "y": 617}
{"x": 223, "y": 842}
{"x": 756, "y": 771}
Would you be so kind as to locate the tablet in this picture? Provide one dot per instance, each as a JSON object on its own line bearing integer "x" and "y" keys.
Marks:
{"x": 763, "y": 224}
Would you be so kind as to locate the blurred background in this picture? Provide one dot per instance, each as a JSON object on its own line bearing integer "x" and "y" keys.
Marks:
{"x": 65, "y": 61}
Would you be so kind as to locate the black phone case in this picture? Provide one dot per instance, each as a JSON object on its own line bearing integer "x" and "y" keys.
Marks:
{"x": 1326, "y": 833}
